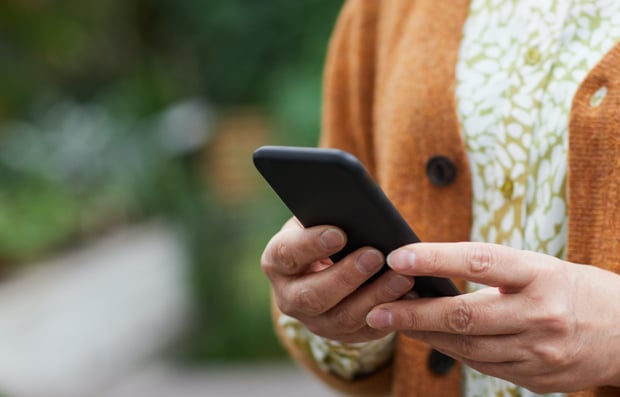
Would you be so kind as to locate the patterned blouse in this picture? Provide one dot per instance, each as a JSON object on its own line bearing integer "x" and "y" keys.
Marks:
{"x": 520, "y": 64}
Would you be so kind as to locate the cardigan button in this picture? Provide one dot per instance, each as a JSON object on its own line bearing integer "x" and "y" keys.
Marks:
{"x": 440, "y": 170}
{"x": 439, "y": 363}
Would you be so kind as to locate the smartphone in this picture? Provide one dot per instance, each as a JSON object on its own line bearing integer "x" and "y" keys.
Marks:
{"x": 332, "y": 187}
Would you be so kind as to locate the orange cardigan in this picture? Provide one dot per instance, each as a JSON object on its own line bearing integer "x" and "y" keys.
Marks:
{"x": 389, "y": 99}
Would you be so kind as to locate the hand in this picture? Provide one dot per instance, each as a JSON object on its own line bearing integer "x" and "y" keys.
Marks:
{"x": 545, "y": 324}
{"x": 329, "y": 299}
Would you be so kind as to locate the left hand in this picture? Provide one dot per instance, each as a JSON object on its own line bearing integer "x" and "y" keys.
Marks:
{"x": 545, "y": 324}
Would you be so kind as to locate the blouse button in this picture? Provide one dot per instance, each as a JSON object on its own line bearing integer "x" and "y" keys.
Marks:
{"x": 440, "y": 170}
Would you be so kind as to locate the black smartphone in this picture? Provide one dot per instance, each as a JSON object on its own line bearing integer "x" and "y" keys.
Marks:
{"x": 332, "y": 187}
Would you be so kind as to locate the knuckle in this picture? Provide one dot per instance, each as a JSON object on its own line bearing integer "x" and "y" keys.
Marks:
{"x": 411, "y": 320}
{"x": 460, "y": 318}
{"x": 286, "y": 306}
{"x": 285, "y": 303}
{"x": 307, "y": 301}
{"x": 346, "y": 279}
{"x": 560, "y": 326}
{"x": 277, "y": 256}
{"x": 551, "y": 354}
{"x": 267, "y": 261}
{"x": 282, "y": 256}
{"x": 558, "y": 319}
{"x": 480, "y": 259}
{"x": 345, "y": 321}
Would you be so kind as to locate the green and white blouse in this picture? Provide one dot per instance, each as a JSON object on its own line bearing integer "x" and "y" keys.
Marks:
{"x": 520, "y": 64}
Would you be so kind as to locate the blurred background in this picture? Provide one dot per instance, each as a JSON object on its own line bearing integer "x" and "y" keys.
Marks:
{"x": 131, "y": 217}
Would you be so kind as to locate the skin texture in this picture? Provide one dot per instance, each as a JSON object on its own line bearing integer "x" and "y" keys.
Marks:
{"x": 330, "y": 299}
{"x": 539, "y": 324}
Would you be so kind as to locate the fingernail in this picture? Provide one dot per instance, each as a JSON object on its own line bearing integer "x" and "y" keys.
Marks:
{"x": 331, "y": 239}
{"x": 401, "y": 260}
{"x": 399, "y": 284}
{"x": 380, "y": 318}
{"x": 369, "y": 261}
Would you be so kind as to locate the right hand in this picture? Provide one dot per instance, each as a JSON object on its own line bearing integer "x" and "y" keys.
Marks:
{"x": 330, "y": 299}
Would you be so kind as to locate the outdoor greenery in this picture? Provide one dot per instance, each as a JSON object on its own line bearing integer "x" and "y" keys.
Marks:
{"x": 107, "y": 111}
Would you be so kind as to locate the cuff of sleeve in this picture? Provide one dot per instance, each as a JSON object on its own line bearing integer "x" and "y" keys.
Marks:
{"x": 349, "y": 361}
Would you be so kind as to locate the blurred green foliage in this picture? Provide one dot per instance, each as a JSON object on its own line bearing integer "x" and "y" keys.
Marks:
{"x": 89, "y": 99}
{"x": 143, "y": 55}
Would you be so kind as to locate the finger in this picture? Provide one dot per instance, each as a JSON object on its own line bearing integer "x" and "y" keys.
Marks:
{"x": 294, "y": 249}
{"x": 502, "y": 370}
{"x": 349, "y": 315}
{"x": 540, "y": 380}
{"x": 488, "y": 264}
{"x": 364, "y": 334}
{"x": 316, "y": 293}
{"x": 483, "y": 349}
{"x": 482, "y": 313}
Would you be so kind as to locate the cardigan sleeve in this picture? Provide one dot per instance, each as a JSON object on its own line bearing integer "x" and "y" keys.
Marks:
{"x": 347, "y": 124}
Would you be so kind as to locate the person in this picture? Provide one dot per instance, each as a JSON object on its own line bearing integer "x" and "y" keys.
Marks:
{"x": 494, "y": 127}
